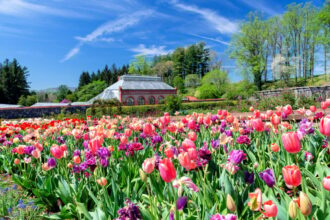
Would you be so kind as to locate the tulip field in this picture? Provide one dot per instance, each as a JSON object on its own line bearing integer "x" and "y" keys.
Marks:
{"x": 199, "y": 166}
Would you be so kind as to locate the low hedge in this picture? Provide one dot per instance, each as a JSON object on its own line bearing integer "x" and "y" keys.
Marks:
{"x": 157, "y": 110}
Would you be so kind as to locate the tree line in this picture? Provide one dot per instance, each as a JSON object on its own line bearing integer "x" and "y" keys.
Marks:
{"x": 287, "y": 43}
{"x": 13, "y": 81}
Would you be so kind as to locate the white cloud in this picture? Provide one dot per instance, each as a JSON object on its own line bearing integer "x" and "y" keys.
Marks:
{"x": 212, "y": 39}
{"x": 23, "y": 8}
{"x": 151, "y": 51}
{"x": 218, "y": 22}
{"x": 71, "y": 53}
{"x": 259, "y": 6}
{"x": 108, "y": 28}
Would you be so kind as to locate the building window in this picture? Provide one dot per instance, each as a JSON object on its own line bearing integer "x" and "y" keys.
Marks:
{"x": 152, "y": 100}
{"x": 141, "y": 100}
{"x": 161, "y": 99}
{"x": 130, "y": 101}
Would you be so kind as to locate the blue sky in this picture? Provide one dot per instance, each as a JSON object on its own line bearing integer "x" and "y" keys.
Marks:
{"x": 58, "y": 39}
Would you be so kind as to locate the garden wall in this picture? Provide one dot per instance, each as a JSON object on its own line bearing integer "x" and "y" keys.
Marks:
{"x": 34, "y": 112}
{"x": 316, "y": 91}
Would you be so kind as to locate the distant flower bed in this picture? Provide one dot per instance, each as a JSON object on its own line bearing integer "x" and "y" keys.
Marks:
{"x": 201, "y": 166}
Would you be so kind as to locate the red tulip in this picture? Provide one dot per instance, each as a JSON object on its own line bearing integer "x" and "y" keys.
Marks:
{"x": 325, "y": 126}
{"x": 191, "y": 124}
{"x": 291, "y": 175}
{"x": 274, "y": 147}
{"x": 148, "y": 129}
{"x": 95, "y": 144}
{"x": 187, "y": 143}
{"x": 275, "y": 120}
{"x": 192, "y": 136}
{"x": 251, "y": 109}
{"x": 324, "y": 105}
{"x": 258, "y": 125}
{"x": 291, "y": 142}
{"x": 326, "y": 183}
{"x": 186, "y": 161}
{"x": 287, "y": 110}
{"x": 312, "y": 108}
{"x": 270, "y": 209}
{"x": 269, "y": 113}
{"x": 167, "y": 170}
{"x": 57, "y": 152}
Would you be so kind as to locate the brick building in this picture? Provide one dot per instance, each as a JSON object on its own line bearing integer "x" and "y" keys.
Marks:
{"x": 137, "y": 90}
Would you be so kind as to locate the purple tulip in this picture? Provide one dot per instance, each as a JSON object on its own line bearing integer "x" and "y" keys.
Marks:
{"x": 236, "y": 156}
{"x": 268, "y": 177}
{"x": 51, "y": 162}
{"x": 248, "y": 177}
{"x": 181, "y": 202}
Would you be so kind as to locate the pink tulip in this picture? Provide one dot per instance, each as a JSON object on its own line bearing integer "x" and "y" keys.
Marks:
{"x": 191, "y": 124}
{"x": 287, "y": 110}
{"x": 325, "y": 126}
{"x": 326, "y": 183}
{"x": 148, "y": 165}
{"x": 167, "y": 170}
{"x": 57, "y": 152}
{"x": 258, "y": 125}
{"x": 291, "y": 142}
{"x": 148, "y": 129}
{"x": 270, "y": 209}
{"x": 187, "y": 143}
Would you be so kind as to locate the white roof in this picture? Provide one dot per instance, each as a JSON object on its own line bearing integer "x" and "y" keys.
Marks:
{"x": 49, "y": 104}
{"x": 9, "y": 106}
{"x": 132, "y": 82}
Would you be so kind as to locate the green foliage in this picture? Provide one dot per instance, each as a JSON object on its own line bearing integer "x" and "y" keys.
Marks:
{"x": 89, "y": 91}
{"x": 243, "y": 89}
{"x": 27, "y": 100}
{"x": 192, "y": 80}
{"x": 62, "y": 92}
{"x": 13, "y": 81}
{"x": 207, "y": 91}
{"x": 140, "y": 66}
{"x": 178, "y": 82}
{"x": 173, "y": 103}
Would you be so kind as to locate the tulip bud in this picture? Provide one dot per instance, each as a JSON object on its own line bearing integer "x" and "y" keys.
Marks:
{"x": 143, "y": 176}
{"x": 305, "y": 204}
{"x": 70, "y": 165}
{"x": 230, "y": 203}
{"x": 326, "y": 183}
{"x": 16, "y": 140}
{"x": 293, "y": 209}
{"x": 16, "y": 161}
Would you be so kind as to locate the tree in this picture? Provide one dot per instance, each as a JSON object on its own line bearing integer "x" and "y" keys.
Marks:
{"x": 28, "y": 100}
{"x": 248, "y": 48}
{"x": 62, "y": 92}
{"x": 164, "y": 69}
{"x": 84, "y": 79}
{"x": 179, "y": 84}
{"x": 140, "y": 66}
{"x": 192, "y": 80}
{"x": 217, "y": 78}
{"x": 13, "y": 81}
{"x": 91, "y": 90}
{"x": 324, "y": 39}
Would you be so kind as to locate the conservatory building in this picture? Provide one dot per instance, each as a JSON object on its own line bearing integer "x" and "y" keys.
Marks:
{"x": 137, "y": 90}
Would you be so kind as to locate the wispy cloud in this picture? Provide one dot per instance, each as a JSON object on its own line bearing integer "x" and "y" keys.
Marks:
{"x": 212, "y": 39}
{"x": 259, "y": 6}
{"x": 220, "y": 23}
{"x": 23, "y": 8}
{"x": 108, "y": 28}
{"x": 151, "y": 51}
